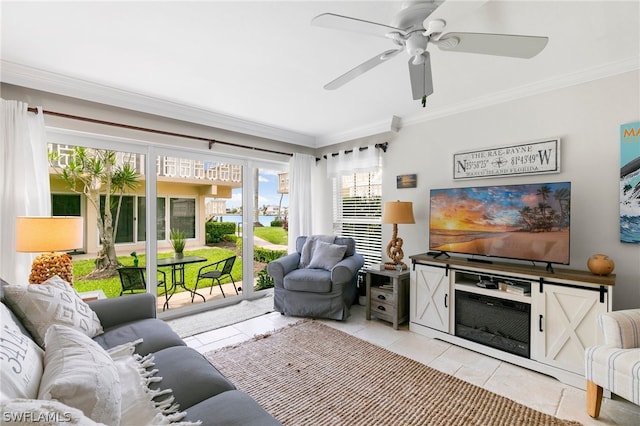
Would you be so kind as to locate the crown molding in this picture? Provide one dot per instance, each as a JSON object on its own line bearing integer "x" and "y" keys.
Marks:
{"x": 383, "y": 126}
{"x": 567, "y": 80}
{"x": 33, "y": 78}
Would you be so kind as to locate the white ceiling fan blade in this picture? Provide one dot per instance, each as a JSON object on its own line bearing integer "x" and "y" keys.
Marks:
{"x": 420, "y": 74}
{"x": 346, "y": 23}
{"x": 516, "y": 46}
{"x": 361, "y": 69}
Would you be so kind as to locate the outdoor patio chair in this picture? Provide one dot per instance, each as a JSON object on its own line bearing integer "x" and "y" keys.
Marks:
{"x": 132, "y": 279}
{"x": 215, "y": 271}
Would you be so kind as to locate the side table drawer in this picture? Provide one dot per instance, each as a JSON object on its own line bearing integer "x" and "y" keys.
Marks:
{"x": 384, "y": 311}
{"x": 382, "y": 296}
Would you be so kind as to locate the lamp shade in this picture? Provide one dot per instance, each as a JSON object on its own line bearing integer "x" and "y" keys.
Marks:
{"x": 398, "y": 212}
{"x": 36, "y": 234}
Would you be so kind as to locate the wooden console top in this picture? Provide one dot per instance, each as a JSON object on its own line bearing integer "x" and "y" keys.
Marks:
{"x": 514, "y": 268}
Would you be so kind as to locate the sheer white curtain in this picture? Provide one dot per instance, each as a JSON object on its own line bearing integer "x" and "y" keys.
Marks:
{"x": 357, "y": 161}
{"x": 24, "y": 182}
{"x": 300, "y": 169}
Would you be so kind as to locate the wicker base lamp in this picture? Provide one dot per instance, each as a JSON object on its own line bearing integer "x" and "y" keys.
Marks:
{"x": 396, "y": 212}
{"x": 35, "y": 234}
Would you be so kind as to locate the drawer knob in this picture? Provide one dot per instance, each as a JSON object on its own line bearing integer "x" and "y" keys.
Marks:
{"x": 381, "y": 308}
{"x": 381, "y": 297}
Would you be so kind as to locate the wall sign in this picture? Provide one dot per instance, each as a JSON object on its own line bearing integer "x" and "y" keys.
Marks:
{"x": 522, "y": 159}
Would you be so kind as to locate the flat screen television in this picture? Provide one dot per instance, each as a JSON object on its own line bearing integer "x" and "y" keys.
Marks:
{"x": 525, "y": 222}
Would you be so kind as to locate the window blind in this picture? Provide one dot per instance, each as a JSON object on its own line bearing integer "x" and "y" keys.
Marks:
{"x": 357, "y": 209}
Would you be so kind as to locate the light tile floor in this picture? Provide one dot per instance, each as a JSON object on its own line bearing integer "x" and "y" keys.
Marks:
{"x": 535, "y": 390}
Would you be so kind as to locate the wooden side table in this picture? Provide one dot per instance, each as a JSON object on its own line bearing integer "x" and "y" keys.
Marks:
{"x": 388, "y": 295}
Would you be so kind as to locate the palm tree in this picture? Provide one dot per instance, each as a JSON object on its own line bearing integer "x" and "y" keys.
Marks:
{"x": 544, "y": 192}
{"x": 527, "y": 215}
{"x": 563, "y": 195}
{"x": 97, "y": 173}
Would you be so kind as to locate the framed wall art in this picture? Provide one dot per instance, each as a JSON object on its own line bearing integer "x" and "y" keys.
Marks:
{"x": 406, "y": 181}
{"x": 630, "y": 182}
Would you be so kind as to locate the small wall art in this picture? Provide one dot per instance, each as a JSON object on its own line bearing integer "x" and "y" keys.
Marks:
{"x": 406, "y": 181}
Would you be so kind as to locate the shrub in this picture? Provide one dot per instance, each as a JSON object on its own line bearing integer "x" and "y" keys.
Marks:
{"x": 276, "y": 223}
{"x": 264, "y": 281}
{"x": 232, "y": 238}
{"x": 265, "y": 255}
{"x": 262, "y": 254}
{"x": 216, "y": 231}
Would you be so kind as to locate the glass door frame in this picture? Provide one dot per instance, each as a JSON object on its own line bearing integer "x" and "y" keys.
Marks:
{"x": 151, "y": 150}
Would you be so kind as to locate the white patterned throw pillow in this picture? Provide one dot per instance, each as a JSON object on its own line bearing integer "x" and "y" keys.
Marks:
{"x": 20, "y": 360}
{"x": 81, "y": 374}
{"x": 53, "y": 302}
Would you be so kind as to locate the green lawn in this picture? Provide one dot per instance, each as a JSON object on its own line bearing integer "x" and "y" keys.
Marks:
{"x": 111, "y": 286}
{"x": 273, "y": 234}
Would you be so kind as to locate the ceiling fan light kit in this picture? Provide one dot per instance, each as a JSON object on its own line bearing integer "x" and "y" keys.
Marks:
{"x": 413, "y": 31}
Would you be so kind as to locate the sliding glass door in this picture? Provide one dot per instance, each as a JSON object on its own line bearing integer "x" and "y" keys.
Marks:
{"x": 214, "y": 203}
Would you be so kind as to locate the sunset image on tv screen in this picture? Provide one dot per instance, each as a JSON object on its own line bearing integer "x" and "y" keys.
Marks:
{"x": 529, "y": 222}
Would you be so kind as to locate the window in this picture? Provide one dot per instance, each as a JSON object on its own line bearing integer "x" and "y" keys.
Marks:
{"x": 182, "y": 215}
{"x": 357, "y": 211}
{"x": 142, "y": 218}
{"x": 66, "y": 205}
{"x": 124, "y": 225}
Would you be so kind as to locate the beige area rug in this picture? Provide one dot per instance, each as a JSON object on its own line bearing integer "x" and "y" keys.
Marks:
{"x": 312, "y": 374}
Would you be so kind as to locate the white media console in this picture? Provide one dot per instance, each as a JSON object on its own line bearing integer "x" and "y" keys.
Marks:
{"x": 546, "y": 329}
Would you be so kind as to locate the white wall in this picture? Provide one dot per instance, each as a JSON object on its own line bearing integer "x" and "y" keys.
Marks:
{"x": 587, "y": 118}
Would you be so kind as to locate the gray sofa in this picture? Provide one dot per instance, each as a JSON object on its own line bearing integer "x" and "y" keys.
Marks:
{"x": 316, "y": 292}
{"x": 198, "y": 387}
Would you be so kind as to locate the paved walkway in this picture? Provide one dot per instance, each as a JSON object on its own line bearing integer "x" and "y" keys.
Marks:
{"x": 266, "y": 244}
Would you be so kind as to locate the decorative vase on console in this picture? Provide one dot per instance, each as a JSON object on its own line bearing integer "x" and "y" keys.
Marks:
{"x": 600, "y": 264}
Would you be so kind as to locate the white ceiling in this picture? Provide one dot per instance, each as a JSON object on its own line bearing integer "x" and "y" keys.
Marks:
{"x": 259, "y": 67}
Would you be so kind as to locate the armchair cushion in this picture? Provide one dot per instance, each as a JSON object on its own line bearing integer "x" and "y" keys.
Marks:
{"x": 310, "y": 280}
{"x": 326, "y": 255}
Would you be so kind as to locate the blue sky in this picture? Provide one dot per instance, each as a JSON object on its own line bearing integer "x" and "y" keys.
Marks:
{"x": 268, "y": 191}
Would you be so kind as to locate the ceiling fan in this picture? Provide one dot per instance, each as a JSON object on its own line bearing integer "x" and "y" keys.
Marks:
{"x": 412, "y": 32}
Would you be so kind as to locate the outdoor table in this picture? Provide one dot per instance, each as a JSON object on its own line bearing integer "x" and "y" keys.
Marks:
{"x": 177, "y": 273}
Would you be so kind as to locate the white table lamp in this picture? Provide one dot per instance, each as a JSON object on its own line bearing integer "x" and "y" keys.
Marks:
{"x": 36, "y": 234}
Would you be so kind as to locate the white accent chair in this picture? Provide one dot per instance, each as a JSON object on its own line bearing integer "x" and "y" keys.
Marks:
{"x": 614, "y": 366}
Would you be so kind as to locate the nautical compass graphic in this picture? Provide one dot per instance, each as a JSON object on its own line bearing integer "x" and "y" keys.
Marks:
{"x": 499, "y": 162}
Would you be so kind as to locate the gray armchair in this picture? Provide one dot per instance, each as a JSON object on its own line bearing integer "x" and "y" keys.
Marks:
{"x": 317, "y": 290}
